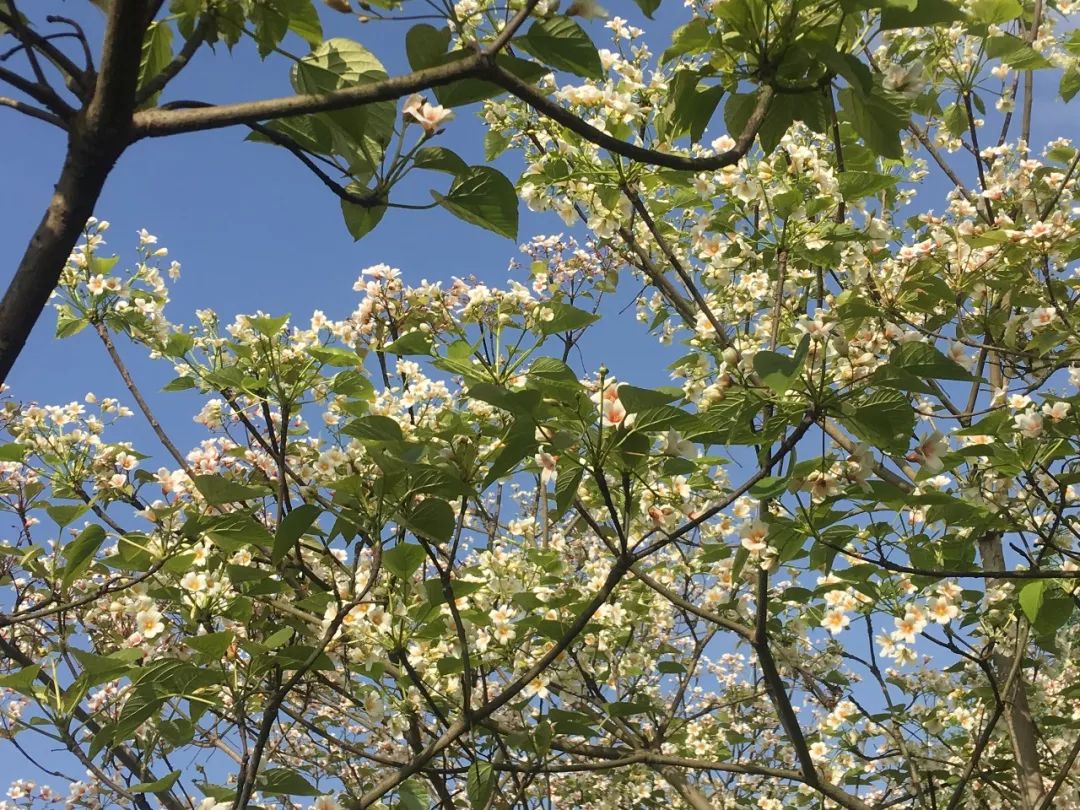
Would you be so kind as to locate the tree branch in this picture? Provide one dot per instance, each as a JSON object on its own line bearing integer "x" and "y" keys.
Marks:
{"x": 159, "y": 122}
{"x": 550, "y": 109}
{"x": 33, "y": 112}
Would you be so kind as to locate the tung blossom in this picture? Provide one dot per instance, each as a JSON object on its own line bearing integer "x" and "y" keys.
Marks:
{"x": 548, "y": 471}
{"x": 427, "y": 115}
{"x": 929, "y": 451}
{"x": 1029, "y": 423}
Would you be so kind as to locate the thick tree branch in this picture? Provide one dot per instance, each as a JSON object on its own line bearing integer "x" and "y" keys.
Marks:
{"x": 161, "y": 122}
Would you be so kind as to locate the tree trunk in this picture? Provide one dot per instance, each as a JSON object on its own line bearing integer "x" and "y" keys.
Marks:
{"x": 81, "y": 181}
{"x": 1018, "y": 719}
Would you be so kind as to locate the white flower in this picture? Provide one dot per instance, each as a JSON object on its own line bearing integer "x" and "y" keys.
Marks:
{"x": 427, "y": 115}
{"x": 1040, "y": 317}
{"x": 835, "y": 620}
{"x": 1029, "y": 423}
{"x": 1057, "y": 411}
{"x": 753, "y": 537}
{"x": 929, "y": 451}
{"x": 149, "y": 622}
{"x": 193, "y": 581}
{"x": 676, "y": 445}
{"x": 548, "y": 472}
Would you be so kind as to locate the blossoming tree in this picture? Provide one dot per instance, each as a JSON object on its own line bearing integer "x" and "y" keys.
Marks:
{"x": 422, "y": 559}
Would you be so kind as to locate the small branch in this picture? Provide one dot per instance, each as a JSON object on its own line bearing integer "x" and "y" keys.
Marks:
{"x": 1062, "y": 775}
{"x": 559, "y": 114}
{"x": 33, "y": 112}
{"x": 80, "y": 35}
{"x": 676, "y": 265}
{"x": 43, "y": 94}
{"x": 129, "y": 382}
{"x": 511, "y": 28}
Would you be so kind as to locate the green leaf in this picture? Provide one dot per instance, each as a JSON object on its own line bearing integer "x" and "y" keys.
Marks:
{"x": 692, "y": 38}
{"x": 403, "y": 559}
{"x": 566, "y": 318}
{"x": 1015, "y": 52}
{"x": 925, "y": 14}
{"x": 877, "y": 120}
{"x": 432, "y": 519}
{"x": 413, "y": 795}
{"x": 360, "y": 220}
{"x": 157, "y": 52}
{"x": 1070, "y": 84}
{"x": 303, "y": 20}
{"x": 857, "y": 185}
{"x": 989, "y": 12}
{"x": 292, "y": 528}
{"x": 212, "y": 645}
{"x": 426, "y": 45}
{"x": 63, "y": 514}
{"x": 563, "y": 44}
{"x": 439, "y": 159}
{"x": 737, "y": 111}
{"x": 158, "y": 785}
{"x": 23, "y": 681}
{"x": 1045, "y": 606}
{"x": 689, "y": 110}
{"x": 884, "y": 419}
{"x": 80, "y": 552}
{"x": 266, "y": 326}
{"x": 648, "y": 7}
{"x": 336, "y": 357}
{"x": 479, "y": 784}
{"x": 217, "y": 490}
{"x": 12, "y": 452}
{"x": 1031, "y": 599}
{"x": 770, "y": 486}
{"x": 495, "y": 143}
{"x": 414, "y": 342}
{"x": 278, "y": 638}
{"x": 638, "y": 399}
{"x": 360, "y": 134}
{"x": 569, "y": 477}
{"x": 284, "y": 781}
{"x": 924, "y": 360}
{"x": 375, "y": 428}
{"x": 778, "y": 371}
{"x": 483, "y": 196}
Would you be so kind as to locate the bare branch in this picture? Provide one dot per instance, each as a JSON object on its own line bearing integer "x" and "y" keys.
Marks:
{"x": 33, "y": 112}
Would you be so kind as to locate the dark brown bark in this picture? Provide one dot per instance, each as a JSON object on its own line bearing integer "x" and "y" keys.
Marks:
{"x": 97, "y": 138}
{"x": 81, "y": 181}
